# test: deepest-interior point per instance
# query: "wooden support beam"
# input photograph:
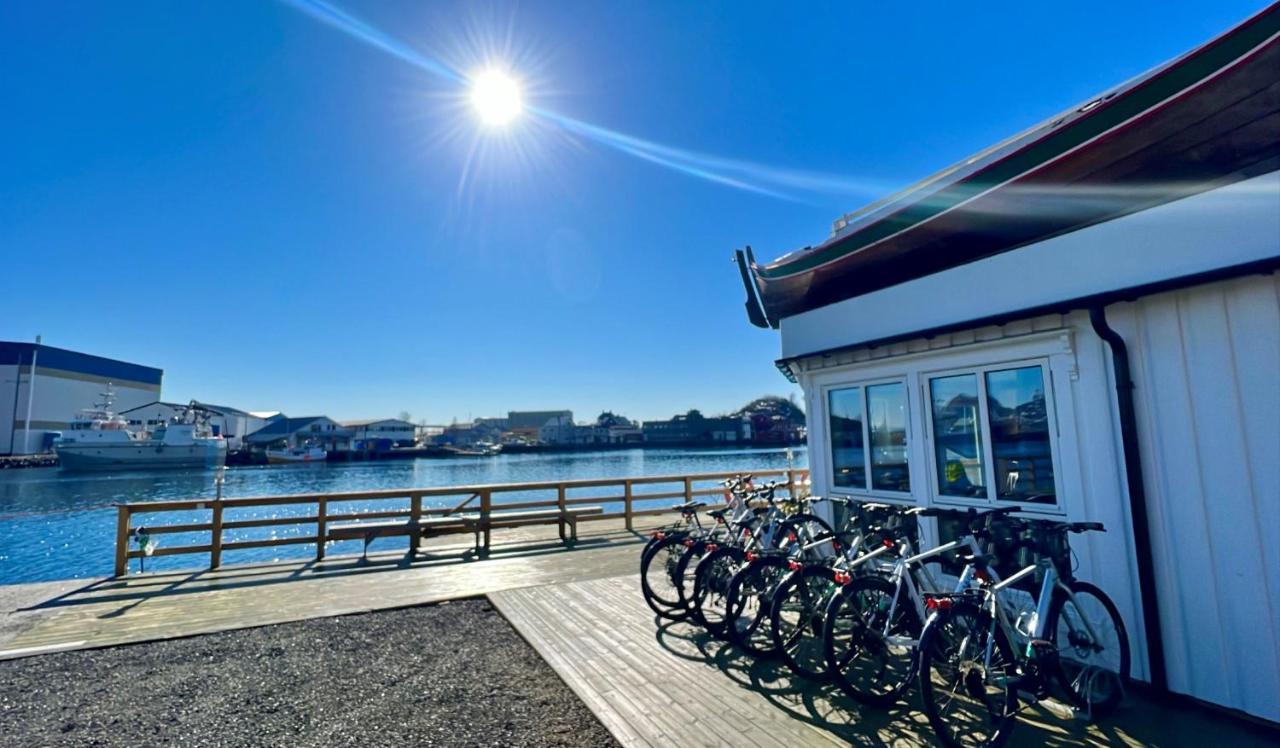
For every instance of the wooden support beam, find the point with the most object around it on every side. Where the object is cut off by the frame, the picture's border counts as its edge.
(215, 542)
(321, 529)
(122, 540)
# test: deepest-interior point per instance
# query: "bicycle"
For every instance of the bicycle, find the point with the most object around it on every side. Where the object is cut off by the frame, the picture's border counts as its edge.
(973, 653)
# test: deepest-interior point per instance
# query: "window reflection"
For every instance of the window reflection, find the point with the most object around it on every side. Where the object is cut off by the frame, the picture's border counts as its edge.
(848, 459)
(1020, 435)
(887, 420)
(957, 435)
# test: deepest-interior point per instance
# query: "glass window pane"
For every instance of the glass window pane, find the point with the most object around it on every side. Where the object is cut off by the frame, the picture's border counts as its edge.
(848, 461)
(887, 421)
(957, 436)
(1020, 435)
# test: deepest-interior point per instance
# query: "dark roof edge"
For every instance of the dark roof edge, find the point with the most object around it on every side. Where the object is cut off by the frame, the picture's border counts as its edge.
(1128, 293)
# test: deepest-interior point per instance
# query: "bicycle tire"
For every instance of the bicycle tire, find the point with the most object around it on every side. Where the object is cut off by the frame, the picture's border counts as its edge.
(944, 627)
(761, 575)
(871, 670)
(665, 602)
(1078, 683)
(804, 655)
(710, 582)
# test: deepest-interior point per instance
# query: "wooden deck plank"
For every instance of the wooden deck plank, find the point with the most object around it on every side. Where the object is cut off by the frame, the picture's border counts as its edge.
(599, 636)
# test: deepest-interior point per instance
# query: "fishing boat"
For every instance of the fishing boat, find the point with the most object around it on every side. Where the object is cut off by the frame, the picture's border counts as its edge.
(297, 455)
(479, 449)
(99, 439)
(1200, 121)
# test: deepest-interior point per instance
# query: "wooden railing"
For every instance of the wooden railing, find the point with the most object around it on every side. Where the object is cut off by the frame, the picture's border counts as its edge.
(478, 500)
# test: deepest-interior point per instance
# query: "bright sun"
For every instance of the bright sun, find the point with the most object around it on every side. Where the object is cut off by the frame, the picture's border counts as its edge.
(496, 98)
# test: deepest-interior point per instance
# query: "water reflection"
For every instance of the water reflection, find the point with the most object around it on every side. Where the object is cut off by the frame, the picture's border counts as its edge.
(58, 525)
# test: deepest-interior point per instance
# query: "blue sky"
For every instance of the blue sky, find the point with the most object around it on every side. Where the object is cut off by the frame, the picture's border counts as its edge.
(282, 216)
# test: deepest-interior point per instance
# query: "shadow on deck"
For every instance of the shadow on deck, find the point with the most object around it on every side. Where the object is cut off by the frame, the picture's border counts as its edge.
(160, 605)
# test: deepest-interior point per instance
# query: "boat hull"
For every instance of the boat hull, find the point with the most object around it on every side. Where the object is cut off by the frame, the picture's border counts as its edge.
(289, 458)
(141, 457)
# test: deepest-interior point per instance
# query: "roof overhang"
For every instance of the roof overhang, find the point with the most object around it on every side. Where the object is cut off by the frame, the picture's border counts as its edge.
(1202, 121)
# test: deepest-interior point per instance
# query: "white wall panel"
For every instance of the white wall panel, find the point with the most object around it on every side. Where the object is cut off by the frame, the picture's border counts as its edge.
(1206, 362)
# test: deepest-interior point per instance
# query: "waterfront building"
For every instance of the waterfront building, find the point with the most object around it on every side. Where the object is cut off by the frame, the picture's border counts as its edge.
(608, 428)
(42, 387)
(695, 428)
(292, 433)
(1082, 322)
(468, 434)
(230, 423)
(392, 431)
(527, 425)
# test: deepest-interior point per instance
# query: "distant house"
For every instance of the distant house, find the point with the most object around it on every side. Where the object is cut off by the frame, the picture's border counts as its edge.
(607, 429)
(321, 431)
(391, 431)
(467, 434)
(695, 428)
(528, 424)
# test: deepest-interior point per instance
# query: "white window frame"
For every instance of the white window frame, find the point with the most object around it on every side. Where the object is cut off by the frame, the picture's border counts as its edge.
(989, 464)
(905, 497)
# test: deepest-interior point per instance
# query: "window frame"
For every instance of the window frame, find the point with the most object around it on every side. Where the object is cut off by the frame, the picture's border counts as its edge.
(904, 497)
(936, 496)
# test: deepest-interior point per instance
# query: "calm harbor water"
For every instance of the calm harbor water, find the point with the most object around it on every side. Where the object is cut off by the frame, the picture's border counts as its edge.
(56, 525)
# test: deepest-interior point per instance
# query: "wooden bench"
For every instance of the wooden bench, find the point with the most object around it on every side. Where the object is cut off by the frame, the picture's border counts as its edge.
(563, 517)
(424, 528)
(457, 523)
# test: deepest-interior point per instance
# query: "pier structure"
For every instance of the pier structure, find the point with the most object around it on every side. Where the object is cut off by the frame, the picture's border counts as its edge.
(578, 605)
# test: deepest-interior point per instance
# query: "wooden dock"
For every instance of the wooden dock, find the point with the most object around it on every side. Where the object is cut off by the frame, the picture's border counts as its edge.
(651, 683)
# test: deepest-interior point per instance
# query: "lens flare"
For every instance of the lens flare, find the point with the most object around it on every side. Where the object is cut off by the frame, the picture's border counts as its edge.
(499, 102)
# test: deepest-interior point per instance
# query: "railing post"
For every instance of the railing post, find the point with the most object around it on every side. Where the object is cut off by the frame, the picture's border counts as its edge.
(321, 528)
(215, 543)
(626, 501)
(486, 501)
(415, 515)
(688, 489)
(122, 540)
(561, 506)
(791, 483)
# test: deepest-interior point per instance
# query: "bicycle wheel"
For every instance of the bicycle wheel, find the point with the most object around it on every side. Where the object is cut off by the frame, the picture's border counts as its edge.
(686, 568)
(750, 593)
(658, 580)
(802, 528)
(1092, 665)
(711, 588)
(967, 677)
(877, 659)
(798, 619)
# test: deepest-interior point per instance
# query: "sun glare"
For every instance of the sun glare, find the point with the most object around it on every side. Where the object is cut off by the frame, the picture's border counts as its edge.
(496, 98)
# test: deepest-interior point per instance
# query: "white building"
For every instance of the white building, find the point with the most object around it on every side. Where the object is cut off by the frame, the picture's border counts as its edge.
(64, 382)
(230, 423)
(318, 431)
(400, 433)
(1084, 322)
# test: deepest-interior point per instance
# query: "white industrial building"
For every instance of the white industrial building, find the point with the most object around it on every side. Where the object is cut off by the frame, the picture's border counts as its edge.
(42, 387)
(230, 423)
(376, 430)
(1083, 321)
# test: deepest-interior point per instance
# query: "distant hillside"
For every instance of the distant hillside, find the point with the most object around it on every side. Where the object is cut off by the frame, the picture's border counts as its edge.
(771, 407)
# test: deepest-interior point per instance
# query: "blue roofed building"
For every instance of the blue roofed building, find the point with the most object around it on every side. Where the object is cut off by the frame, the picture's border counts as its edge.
(42, 387)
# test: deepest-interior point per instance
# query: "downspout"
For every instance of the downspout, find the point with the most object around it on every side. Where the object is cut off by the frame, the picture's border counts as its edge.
(1137, 494)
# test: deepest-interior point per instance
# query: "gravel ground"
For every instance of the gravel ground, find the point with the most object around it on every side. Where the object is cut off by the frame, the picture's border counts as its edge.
(453, 674)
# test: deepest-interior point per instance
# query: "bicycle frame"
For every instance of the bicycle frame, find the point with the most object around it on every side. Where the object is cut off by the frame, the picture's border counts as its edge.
(999, 616)
(903, 577)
